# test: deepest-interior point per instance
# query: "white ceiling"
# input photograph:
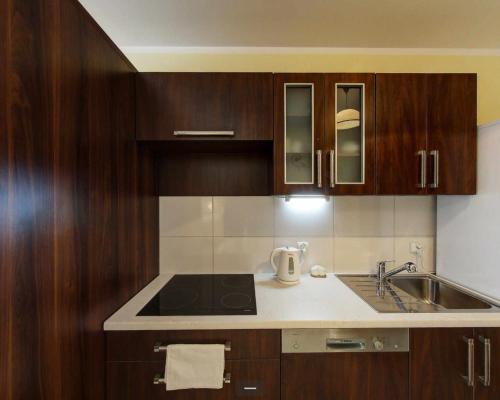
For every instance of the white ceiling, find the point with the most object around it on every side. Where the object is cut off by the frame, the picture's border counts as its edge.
(451, 24)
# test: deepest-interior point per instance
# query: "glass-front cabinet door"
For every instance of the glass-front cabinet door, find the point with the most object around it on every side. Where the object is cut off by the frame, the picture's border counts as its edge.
(299, 134)
(350, 133)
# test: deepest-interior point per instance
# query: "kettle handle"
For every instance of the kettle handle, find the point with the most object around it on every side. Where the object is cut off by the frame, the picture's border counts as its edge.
(273, 254)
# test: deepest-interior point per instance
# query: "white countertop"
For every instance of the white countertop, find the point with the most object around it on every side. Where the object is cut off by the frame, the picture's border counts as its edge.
(314, 303)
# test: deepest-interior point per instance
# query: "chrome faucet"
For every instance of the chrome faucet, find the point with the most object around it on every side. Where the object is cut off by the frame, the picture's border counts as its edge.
(382, 275)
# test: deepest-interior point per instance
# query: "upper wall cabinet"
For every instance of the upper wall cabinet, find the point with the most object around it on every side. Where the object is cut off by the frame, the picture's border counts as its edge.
(299, 133)
(187, 106)
(324, 133)
(350, 133)
(426, 134)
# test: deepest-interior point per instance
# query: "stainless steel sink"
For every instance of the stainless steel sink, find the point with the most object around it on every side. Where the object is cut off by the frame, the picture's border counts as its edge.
(433, 291)
(416, 293)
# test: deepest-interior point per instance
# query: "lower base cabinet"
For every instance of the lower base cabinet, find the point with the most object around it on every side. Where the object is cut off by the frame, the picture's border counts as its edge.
(455, 363)
(487, 363)
(343, 376)
(442, 364)
(255, 379)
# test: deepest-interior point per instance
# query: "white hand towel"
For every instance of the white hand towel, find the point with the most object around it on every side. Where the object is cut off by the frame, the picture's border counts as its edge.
(194, 366)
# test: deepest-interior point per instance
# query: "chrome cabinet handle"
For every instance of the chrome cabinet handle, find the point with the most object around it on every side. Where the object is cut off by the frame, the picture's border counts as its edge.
(158, 379)
(435, 154)
(423, 169)
(332, 168)
(318, 164)
(345, 344)
(486, 378)
(203, 133)
(469, 378)
(159, 347)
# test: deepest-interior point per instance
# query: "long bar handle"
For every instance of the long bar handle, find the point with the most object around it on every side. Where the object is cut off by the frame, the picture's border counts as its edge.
(319, 169)
(158, 379)
(435, 155)
(486, 378)
(469, 378)
(332, 168)
(203, 133)
(423, 169)
(159, 347)
(345, 344)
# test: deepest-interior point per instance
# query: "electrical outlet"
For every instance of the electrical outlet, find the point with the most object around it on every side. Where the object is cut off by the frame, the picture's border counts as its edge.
(416, 248)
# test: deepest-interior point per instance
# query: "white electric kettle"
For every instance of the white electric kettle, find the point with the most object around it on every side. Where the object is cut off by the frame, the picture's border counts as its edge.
(290, 261)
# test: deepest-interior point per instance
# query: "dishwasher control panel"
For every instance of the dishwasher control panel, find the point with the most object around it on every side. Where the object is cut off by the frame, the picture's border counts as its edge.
(344, 340)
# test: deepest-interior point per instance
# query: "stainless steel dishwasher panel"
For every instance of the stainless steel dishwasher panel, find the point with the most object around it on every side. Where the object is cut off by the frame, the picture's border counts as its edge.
(344, 340)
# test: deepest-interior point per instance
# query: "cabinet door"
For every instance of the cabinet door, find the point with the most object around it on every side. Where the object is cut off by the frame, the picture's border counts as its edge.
(255, 379)
(438, 364)
(299, 134)
(350, 133)
(374, 376)
(191, 106)
(452, 141)
(401, 125)
(487, 363)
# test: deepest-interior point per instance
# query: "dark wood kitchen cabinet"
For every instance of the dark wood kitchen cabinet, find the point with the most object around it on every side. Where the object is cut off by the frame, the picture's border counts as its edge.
(455, 363)
(324, 134)
(194, 106)
(438, 363)
(299, 133)
(426, 134)
(349, 134)
(374, 376)
(253, 362)
(487, 363)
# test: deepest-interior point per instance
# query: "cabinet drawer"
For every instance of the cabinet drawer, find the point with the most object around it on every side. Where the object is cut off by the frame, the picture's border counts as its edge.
(245, 344)
(255, 379)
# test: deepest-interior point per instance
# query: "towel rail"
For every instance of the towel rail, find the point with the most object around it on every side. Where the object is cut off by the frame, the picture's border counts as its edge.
(158, 379)
(159, 347)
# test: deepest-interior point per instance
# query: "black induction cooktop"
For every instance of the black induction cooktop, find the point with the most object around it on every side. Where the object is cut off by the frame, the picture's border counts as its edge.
(218, 294)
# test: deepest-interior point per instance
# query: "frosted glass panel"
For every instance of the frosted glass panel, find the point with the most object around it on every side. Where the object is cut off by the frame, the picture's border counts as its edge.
(299, 134)
(349, 133)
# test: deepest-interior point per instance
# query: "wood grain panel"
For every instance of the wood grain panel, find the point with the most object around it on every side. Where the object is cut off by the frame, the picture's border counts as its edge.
(242, 102)
(453, 132)
(78, 199)
(215, 174)
(356, 376)
(491, 392)
(138, 345)
(401, 125)
(438, 359)
(133, 381)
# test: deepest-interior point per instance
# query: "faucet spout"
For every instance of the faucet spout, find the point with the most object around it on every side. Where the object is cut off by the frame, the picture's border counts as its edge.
(382, 275)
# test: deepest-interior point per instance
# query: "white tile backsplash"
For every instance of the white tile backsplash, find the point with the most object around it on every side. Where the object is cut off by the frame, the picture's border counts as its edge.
(415, 216)
(425, 263)
(360, 255)
(243, 216)
(366, 216)
(185, 216)
(186, 255)
(345, 234)
(302, 216)
(242, 254)
(320, 250)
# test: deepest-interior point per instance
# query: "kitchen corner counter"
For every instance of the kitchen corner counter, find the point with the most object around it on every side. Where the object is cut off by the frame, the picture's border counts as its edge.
(314, 303)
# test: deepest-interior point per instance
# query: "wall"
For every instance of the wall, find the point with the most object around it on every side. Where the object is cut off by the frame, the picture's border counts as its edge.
(468, 227)
(77, 202)
(346, 234)
(320, 60)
